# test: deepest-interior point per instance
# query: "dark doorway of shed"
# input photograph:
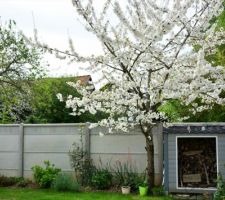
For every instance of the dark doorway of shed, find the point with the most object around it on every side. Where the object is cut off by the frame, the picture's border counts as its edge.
(197, 162)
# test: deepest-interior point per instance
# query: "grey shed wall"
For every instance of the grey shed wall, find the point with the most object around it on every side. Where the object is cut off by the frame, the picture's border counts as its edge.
(170, 134)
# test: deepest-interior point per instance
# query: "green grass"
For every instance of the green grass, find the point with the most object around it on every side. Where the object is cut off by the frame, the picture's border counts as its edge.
(38, 194)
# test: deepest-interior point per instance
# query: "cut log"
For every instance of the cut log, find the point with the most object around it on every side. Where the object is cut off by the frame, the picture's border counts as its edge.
(206, 173)
(192, 178)
(192, 153)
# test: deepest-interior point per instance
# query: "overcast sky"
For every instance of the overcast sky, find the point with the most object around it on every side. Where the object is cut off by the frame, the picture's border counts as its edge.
(54, 20)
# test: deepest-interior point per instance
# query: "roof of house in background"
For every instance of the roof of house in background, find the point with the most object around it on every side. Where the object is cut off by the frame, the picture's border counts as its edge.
(85, 79)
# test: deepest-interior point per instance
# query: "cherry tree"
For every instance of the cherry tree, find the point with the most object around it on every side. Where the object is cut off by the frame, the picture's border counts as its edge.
(149, 58)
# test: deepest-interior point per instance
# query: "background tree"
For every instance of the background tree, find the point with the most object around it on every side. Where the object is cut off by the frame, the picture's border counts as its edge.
(14, 105)
(149, 59)
(174, 108)
(218, 57)
(46, 108)
(19, 65)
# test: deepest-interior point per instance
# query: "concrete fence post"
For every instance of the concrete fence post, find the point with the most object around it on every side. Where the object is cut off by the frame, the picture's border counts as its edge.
(87, 140)
(21, 150)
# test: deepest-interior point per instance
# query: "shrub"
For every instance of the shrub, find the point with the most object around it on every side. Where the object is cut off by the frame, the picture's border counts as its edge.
(44, 177)
(8, 181)
(102, 179)
(11, 181)
(220, 192)
(126, 174)
(64, 182)
(83, 167)
(23, 182)
(88, 169)
(158, 191)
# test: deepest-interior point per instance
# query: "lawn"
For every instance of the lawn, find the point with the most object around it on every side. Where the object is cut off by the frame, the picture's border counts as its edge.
(36, 194)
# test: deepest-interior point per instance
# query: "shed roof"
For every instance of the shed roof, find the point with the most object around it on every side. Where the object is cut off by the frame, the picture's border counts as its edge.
(196, 128)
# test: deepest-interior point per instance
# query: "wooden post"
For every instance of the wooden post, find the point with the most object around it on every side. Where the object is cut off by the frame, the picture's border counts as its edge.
(21, 150)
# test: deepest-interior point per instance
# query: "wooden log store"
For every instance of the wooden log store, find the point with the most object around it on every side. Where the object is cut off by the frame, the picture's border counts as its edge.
(194, 154)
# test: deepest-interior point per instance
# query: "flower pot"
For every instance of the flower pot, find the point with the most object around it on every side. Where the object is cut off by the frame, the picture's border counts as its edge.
(143, 190)
(125, 189)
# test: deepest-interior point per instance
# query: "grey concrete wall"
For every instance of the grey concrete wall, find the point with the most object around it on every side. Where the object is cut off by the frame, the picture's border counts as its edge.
(49, 142)
(23, 146)
(127, 147)
(9, 150)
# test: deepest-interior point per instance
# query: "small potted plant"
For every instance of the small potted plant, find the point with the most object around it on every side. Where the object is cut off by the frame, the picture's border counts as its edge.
(125, 188)
(143, 188)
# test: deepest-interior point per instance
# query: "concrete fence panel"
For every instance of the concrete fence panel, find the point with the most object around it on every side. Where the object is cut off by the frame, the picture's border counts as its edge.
(23, 146)
(126, 147)
(49, 142)
(9, 150)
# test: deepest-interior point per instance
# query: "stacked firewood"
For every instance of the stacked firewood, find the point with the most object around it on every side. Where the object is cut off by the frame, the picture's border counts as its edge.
(197, 162)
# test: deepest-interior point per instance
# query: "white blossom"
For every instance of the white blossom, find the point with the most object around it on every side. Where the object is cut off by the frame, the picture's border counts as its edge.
(149, 59)
(101, 134)
(60, 97)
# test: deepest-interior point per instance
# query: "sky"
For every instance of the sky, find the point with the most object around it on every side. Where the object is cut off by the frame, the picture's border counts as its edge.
(55, 20)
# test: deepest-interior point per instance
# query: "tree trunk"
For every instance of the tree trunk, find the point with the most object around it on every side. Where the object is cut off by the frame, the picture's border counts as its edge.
(150, 162)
